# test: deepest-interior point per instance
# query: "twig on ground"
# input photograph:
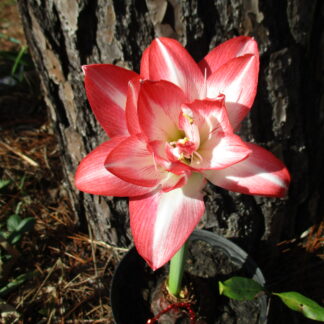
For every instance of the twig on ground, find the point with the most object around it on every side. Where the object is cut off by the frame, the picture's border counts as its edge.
(44, 281)
(99, 243)
(21, 155)
(95, 263)
(75, 257)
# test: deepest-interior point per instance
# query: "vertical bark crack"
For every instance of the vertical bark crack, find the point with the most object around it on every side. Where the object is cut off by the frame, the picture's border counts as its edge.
(87, 29)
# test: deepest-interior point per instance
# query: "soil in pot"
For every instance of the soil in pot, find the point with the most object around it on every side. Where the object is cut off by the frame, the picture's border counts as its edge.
(205, 266)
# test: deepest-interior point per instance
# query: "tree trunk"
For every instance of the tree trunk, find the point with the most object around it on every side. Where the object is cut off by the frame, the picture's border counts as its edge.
(287, 117)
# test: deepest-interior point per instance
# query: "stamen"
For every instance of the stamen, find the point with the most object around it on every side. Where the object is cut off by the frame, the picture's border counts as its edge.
(183, 140)
(187, 113)
(190, 119)
(184, 149)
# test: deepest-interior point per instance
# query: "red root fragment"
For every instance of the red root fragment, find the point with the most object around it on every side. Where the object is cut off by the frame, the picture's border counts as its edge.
(175, 306)
(168, 308)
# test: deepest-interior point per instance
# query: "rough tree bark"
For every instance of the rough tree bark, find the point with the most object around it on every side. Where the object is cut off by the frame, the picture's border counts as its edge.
(287, 117)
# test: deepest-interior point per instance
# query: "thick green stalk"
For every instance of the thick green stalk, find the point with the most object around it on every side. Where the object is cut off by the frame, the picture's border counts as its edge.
(176, 271)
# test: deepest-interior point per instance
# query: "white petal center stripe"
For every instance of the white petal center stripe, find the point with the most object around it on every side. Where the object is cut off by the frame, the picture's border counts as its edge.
(169, 204)
(204, 90)
(166, 125)
(232, 88)
(111, 91)
(172, 67)
(236, 95)
(262, 174)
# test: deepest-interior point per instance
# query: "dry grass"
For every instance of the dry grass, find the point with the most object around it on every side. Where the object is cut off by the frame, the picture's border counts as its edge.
(71, 272)
(8, 25)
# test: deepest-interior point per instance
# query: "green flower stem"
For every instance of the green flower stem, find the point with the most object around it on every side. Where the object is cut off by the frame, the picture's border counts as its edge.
(176, 271)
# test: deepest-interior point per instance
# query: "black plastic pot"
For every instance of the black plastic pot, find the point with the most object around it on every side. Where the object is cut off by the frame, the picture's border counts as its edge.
(133, 280)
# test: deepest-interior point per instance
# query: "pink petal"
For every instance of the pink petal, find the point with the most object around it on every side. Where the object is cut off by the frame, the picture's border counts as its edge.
(237, 80)
(189, 126)
(210, 116)
(260, 174)
(162, 222)
(219, 147)
(132, 161)
(145, 64)
(221, 151)
(131, 107)
(92, 176)
(173, 181)
(169, 60)
(161, 157)
(106, 88)
(235, 47)
(159, 106)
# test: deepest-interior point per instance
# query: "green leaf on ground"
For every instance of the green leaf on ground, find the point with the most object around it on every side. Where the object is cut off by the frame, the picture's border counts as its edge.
(26, 225)
(14, 237)
(13, 222)
(17, 226)
(302, 304)
(240, 288)
(15, 283)
(4, 183)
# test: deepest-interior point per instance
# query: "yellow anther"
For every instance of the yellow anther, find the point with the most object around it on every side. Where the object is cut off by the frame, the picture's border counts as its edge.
(189, 118)
(183, 140)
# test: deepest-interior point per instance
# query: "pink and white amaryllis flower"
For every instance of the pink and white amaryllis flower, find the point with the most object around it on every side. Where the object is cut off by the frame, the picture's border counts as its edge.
(171, 129)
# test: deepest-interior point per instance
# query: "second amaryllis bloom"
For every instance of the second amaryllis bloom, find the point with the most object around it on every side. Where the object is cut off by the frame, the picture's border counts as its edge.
(171, 129)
